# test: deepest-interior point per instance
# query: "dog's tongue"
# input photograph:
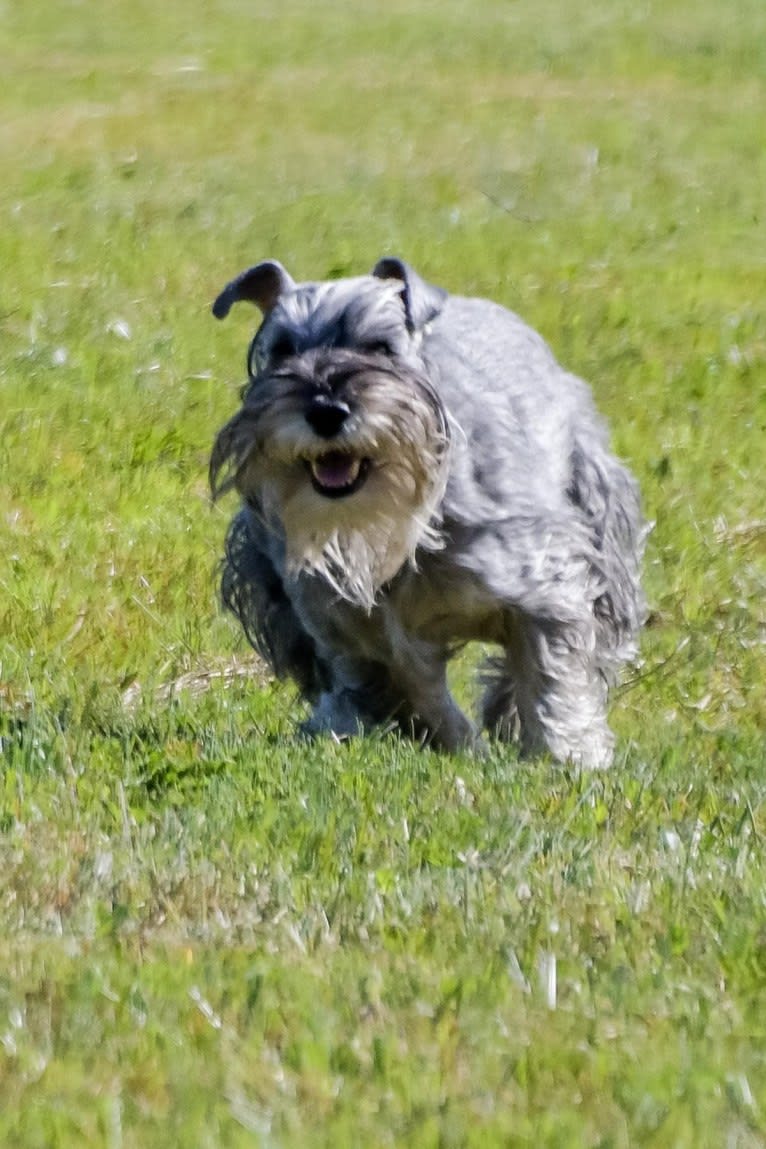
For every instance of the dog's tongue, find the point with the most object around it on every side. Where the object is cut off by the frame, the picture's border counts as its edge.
(335, 469)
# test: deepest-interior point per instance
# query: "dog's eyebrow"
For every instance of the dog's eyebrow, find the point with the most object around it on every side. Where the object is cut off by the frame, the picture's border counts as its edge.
(357, 327)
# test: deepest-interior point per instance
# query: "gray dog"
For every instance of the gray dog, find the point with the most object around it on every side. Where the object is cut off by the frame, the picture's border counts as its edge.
(418, 472)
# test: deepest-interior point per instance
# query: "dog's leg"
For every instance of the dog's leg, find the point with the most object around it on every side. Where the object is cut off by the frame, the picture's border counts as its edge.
(359, 698)
(434, 716)
(418, 670)
(337, 713)
(415, 699)
(552, 691)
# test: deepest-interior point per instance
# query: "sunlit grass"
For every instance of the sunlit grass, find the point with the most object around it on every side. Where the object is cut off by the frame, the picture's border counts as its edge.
(212, 934)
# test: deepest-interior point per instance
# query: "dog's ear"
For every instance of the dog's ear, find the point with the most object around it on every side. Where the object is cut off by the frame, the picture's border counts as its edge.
(422, 301)
(261, 285)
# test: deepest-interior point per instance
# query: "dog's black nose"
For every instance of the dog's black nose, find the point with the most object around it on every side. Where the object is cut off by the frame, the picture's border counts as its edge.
(326, 415)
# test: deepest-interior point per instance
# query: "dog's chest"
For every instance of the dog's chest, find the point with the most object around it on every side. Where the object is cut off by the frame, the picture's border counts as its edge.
(445, 605)
(433, 606)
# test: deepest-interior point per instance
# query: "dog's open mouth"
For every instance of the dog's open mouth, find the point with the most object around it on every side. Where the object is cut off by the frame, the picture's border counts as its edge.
(336, 474)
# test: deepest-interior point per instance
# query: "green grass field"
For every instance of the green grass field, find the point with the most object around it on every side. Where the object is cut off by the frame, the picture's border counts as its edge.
(212, 935)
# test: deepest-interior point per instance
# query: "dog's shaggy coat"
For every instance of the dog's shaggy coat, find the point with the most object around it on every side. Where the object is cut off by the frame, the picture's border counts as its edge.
(417, 472)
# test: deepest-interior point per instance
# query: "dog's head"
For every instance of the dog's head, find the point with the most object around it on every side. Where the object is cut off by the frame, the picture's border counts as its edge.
(341, 440)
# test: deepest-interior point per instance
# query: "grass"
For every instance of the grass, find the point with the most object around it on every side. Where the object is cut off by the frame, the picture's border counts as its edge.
(210, 934)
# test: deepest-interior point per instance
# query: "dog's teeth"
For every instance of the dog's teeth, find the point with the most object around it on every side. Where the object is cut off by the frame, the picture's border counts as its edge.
(335, 470)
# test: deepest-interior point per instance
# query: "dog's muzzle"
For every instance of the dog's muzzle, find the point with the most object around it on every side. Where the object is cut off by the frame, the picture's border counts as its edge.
(335, 474)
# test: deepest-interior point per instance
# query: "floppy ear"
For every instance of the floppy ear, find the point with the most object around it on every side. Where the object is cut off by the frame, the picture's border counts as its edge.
(422, 301)
(261, 285)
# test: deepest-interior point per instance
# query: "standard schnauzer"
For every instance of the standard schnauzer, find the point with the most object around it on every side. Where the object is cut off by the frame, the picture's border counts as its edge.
(418, 472)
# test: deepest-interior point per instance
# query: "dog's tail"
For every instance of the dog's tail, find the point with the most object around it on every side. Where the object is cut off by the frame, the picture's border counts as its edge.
(252, 589)
(607, 496)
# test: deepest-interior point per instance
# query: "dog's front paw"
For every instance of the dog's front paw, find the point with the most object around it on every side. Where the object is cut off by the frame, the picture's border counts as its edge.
(456, 734)
(334, 715)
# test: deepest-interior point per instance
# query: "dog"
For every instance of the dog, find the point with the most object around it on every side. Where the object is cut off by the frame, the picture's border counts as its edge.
(418, 472)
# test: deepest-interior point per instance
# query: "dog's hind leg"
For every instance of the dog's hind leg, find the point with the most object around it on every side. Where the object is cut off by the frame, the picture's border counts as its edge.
(499, 708)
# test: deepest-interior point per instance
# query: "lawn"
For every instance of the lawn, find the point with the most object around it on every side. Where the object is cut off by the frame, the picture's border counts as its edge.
(211, 934)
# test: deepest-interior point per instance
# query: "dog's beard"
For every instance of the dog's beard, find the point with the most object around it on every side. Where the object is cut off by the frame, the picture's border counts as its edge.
(359, 544)
(393, 454)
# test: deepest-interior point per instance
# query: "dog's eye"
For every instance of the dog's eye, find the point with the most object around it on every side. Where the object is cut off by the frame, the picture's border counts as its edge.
(283, 346)
(378, 347)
